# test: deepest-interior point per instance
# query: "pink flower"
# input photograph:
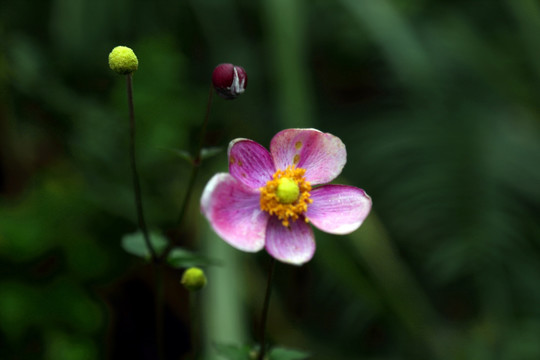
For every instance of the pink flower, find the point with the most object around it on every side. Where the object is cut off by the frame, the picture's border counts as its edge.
(267, 199)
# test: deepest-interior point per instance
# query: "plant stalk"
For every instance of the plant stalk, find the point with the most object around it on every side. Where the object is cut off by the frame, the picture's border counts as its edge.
(134, 173)
(195, 322)
(156, 266)
(159, 308)
(197, 159)
(194, 170)
(266, 305)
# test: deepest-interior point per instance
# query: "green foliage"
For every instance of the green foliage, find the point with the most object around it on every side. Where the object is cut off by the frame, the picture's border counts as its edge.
(182, 258)
(234, 352)
(135, 244)
(245, 352)
(435, 101)
(279, 353)
(206, 153)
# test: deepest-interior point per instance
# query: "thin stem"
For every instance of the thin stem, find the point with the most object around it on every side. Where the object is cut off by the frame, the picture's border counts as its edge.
(197, 160)
(187, 197)
(266, 305)
(157, 268)
(194, 170)
(159, 307)
(134, 173)
(194, 323)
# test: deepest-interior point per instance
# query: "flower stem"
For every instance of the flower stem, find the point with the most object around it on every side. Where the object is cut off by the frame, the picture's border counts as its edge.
(266, 305)
(134, 173)
(197, 159)
(157, 268)
(194, 170)
(194, 323)
(142, 224)
(159, 308)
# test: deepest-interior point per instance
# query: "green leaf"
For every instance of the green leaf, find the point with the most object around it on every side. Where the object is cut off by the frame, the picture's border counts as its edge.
(233, 352)
(182, 258)
(135, 244)
(182, 154)
(207, 153)
(280, 353)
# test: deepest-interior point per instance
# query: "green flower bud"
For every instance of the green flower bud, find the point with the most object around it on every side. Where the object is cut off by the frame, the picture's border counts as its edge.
(123, 60)
(193, 279)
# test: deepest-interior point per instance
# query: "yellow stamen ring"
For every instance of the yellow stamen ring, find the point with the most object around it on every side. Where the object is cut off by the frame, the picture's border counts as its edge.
(286, 195)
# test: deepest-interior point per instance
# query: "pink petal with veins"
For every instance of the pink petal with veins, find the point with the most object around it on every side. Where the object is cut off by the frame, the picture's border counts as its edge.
(250, 163)
(338, 209)
(234, 212)
(323, 155)
(294, 244)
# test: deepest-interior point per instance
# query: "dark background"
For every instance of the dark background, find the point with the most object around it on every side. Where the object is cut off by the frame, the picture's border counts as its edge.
(436, 101)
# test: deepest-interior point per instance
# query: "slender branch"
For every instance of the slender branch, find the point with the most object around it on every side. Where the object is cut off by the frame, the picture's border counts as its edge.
(194, 170)
(195, 322)
(159, 308)
(197, 160)
(205, 125)
(142, 224)
(266, 305)
(187, 197)
(134, 173)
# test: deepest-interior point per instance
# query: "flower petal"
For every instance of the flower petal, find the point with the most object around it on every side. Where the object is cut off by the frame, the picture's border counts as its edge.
(323, 155)
(294, 244)
(250, 163)
(338, 209)
(234, 212)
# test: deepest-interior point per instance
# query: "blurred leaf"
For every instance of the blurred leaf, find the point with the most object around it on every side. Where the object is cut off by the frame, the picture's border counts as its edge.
(286, 30)
(279, 353)
(135, 244)
(394, 35)
(15, 301)
(233, 352)
(183, 154)
(182, 258)
(242, 352)
(65, 346)
(207, 153)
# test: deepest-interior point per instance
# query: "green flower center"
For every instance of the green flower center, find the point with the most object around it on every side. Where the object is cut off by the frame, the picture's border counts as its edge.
(287, 190)
(286, 196)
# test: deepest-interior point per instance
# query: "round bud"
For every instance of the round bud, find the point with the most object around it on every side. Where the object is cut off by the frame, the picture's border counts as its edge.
(229, 80)
(123, 60)
(193, 279)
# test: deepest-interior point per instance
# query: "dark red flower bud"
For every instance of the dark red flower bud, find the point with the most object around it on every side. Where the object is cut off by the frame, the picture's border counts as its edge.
(229, 80)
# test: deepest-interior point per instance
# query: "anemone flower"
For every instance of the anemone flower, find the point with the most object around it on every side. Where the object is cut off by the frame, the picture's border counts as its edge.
(269, 198)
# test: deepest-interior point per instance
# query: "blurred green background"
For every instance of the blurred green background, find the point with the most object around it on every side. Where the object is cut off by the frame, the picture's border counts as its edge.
(436, 101)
